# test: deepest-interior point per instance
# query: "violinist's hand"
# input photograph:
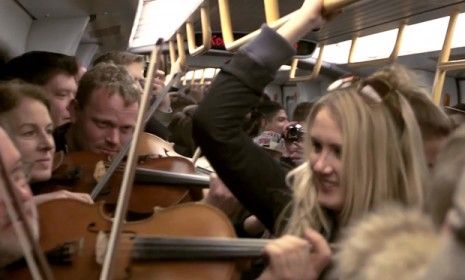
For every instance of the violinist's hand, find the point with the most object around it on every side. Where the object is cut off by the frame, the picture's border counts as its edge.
(291, 257)
(220, 197)
(83, 197)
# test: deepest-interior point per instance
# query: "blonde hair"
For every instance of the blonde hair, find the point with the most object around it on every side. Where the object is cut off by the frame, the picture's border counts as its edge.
(382, 159)
(432, 120)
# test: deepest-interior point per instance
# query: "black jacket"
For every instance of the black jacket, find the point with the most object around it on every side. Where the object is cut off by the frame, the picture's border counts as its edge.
(250, 173)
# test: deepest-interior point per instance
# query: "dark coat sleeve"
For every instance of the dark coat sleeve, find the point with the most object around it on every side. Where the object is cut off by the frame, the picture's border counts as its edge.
(250, 173)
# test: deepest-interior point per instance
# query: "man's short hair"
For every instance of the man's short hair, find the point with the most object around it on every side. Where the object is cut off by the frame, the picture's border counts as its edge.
(119, 58)
(269, 109)
(301, 111)
(114, 78)
(38, 67)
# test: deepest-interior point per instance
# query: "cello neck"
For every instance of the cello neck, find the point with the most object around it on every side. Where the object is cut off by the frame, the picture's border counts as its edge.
(160, 248)
(147, 175)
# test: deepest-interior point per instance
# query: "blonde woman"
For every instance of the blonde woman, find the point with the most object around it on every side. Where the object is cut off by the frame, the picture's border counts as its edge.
(363, 148)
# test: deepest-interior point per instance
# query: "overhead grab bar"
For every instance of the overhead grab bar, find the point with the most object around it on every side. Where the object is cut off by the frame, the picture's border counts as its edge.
(177, 53)
(177, 56)
(376, 62)
(226, 25)
(444, 64)
(271, 10)
(206, 32)
(330, 6)
(192, 82)
(202, 78)
(272, 15)
(315, 72)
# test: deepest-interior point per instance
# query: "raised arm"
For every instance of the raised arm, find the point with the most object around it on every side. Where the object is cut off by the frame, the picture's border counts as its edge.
(248, 171)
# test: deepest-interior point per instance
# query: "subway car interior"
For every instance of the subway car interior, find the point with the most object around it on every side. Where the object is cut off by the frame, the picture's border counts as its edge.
(90, 27)
(318, 175)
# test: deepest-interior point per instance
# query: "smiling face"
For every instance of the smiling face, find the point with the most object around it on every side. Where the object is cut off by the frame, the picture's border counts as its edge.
(10, 248)
(30, 127)
(326, 160)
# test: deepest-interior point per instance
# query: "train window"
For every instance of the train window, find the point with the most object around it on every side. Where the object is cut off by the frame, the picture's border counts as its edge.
(375, 46)
(199, 77)
(335, 53)
(418, 37)
(459, 38)
(171, 14)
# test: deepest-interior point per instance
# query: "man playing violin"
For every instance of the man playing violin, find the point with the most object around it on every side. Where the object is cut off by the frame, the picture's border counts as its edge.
(103, 114)
(135, 65)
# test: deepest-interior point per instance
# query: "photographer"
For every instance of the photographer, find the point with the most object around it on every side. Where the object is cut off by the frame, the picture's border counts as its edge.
(293, 136)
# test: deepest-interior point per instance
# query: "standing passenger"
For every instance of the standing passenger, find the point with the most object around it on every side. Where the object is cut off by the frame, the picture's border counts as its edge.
(266, 116)
(104, 113)
(24, 114)
(135, 64)
(55, 72)
(363, 149)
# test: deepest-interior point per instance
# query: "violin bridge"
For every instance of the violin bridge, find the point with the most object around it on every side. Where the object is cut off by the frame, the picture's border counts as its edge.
(101, 244)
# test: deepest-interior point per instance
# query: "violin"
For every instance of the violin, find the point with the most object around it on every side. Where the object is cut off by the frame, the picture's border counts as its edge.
(161, 182)
(186, 241)
(150, 144)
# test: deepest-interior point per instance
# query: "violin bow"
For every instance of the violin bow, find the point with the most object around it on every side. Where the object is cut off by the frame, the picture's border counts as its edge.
(124, 151)
(197, 155)
(35, 258)
(129, 171)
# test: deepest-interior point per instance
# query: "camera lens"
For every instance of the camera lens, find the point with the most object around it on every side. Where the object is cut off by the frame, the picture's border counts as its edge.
(294, 133)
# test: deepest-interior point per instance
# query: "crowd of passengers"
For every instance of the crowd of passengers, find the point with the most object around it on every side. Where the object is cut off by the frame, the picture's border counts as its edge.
(367, 182)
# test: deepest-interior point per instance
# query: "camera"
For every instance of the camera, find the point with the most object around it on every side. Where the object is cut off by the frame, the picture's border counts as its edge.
(294, 133)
